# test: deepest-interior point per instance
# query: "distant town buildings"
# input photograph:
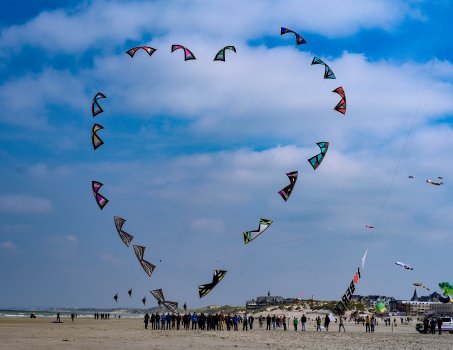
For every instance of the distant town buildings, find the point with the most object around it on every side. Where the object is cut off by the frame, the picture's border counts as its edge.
(269, 300)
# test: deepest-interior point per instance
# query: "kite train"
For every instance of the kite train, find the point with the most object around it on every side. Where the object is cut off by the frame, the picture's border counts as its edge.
(220, 56)
(95, 140)
(406, 267)
(149, 50)
(328, 73)
(341, 106)
(204, 289)
(170, 305)
(95, 107)
(100, 199)
(299, 39)
(286, 192)
(188, 55)
(147, 266)
(251, 235)
(125, 237)
(316, 160)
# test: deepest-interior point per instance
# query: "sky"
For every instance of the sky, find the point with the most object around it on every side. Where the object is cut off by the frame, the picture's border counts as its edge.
(195, 151)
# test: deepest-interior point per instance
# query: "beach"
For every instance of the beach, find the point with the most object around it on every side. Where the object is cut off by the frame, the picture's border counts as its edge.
(87, 333)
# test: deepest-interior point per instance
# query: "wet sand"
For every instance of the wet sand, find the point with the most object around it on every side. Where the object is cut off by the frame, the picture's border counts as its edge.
(20, 333)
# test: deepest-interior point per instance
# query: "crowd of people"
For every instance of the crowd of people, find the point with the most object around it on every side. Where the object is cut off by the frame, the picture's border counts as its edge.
(229, 322)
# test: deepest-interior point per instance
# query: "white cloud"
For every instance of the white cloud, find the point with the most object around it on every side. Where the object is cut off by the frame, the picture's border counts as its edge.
(8, 245)
(107, 23)
(24, 204)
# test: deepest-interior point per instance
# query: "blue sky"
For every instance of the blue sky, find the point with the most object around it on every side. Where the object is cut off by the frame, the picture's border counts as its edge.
(195, 152)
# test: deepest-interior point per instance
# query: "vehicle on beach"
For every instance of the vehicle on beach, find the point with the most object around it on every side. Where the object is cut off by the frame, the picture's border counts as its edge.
(447, 324)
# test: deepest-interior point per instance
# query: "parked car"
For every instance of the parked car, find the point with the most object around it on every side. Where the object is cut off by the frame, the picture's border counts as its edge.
(447, 324)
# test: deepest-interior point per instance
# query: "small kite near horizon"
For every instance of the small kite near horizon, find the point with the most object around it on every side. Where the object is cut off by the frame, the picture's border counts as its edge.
(205, 289)
(435, 183)
(100, 199)
(299, 39)
(188, 55)
(341, 106)
(328, 73)
(418, 284)
(95, 107)
(286, 192)
(251, 235)
(316, 160)
(130, 293)
(369, 226)
(220, 56)
(159, 295)
(149, 50)
(116, 297)
(406, 267)
(144, 301)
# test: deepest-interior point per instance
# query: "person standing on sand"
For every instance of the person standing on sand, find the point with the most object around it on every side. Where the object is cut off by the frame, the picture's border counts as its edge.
(303, 320)
(284, 322)
(251, 319)
(295, 322)
(318, 324)
(439, 325)
(58, 318)
(245, 323)
(268, 322)
(340, 325)
(72, 317)
(146, 320)
(326, 323)
(367, 324)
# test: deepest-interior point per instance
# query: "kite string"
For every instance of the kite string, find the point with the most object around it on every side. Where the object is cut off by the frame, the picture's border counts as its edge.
(411, 128)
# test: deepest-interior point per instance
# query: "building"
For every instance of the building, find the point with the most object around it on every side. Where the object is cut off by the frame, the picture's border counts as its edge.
(265, 301)
(441, 309)
(417, 308)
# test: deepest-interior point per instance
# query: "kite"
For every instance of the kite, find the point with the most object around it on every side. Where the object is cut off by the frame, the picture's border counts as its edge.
(410, 176)
(221, 54)
(95, 107)
(328, 73)
(170, 305)
(316, 160)
(435, 183)
(147, 266)
(130, 293)
(95, 140)
(144, 301)
(251, 235)
(125, 237)
(204, 289)
(341, 106)
(188, 55)
(346, 298)
(299, 39)
(286, 192)
(149, 50)
(407, 267)
(116, 297)
(381, 307)
(418, 284)
(444, 300)
(447, 288)
(100, 199)
(364, 259)
(369, 226)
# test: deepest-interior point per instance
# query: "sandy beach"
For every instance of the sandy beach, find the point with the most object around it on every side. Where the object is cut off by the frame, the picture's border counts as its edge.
(24, 333)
